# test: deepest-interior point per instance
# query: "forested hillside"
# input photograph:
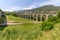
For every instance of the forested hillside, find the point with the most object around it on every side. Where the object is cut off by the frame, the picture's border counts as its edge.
(42, 8)
(37, 10)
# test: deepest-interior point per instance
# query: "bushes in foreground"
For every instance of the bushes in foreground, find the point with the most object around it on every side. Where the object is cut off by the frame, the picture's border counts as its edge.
(58, 21)
(47, 26)
(52, 19)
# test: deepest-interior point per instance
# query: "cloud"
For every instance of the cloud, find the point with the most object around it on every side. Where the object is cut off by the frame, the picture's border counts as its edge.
(47, 2)
(35, 5)
(18, 8)
(12, 9)
(50, 2)
(29, 7)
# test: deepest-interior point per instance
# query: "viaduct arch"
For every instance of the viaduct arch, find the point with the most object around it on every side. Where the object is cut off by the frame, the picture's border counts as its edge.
(37, 16)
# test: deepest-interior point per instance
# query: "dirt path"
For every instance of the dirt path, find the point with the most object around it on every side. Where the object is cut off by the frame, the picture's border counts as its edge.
(10, 23)
(13, 23)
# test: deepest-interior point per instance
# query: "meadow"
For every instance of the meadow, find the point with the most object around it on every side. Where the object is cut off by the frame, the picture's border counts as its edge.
(11, 18)
(28, 30)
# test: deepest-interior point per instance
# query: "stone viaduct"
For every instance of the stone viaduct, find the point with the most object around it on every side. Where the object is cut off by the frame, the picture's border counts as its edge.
(40, 15)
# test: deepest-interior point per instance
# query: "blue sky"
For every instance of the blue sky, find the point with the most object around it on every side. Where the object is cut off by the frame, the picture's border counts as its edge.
(14, 5)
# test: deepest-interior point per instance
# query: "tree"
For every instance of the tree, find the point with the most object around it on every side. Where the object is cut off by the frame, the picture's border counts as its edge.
(58, 15)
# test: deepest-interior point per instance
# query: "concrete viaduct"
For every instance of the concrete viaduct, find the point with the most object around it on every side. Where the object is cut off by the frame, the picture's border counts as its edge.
(35, 17)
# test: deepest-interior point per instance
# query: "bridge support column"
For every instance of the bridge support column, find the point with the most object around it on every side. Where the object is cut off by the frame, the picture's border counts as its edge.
(33, 17)
(46, 17)
(41, 17)
(26, 16)
(30, 16)
(36, 17)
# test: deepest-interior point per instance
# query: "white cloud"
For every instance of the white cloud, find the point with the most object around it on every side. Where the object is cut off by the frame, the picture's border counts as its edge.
(29, 7)
(50, 2)
(35, 5)
(38, 4)
(18, 8)
(11, 9)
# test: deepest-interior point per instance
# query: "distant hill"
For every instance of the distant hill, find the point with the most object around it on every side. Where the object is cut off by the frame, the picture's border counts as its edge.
(42, 8)
(39, 9)
(48, 8)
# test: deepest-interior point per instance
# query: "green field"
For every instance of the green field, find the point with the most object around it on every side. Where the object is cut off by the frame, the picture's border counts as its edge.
(28, 31)
(18, 19)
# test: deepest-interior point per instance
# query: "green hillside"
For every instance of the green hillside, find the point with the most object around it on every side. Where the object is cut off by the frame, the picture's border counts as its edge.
(48, 8)
(11, 18)
(39, 9)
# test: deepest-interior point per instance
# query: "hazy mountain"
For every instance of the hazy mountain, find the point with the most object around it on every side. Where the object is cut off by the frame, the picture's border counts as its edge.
(43, 8)
(39, 9)
(48, 8)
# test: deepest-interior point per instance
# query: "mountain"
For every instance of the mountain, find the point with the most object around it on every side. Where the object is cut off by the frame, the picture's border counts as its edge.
(39, 9)
(48, 8)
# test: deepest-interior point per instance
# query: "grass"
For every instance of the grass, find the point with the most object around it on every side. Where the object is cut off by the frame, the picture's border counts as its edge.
(29, 31)
(18, 19)
(21, 32)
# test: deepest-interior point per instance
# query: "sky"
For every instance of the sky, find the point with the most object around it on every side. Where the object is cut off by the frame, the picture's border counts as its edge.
(14, 5)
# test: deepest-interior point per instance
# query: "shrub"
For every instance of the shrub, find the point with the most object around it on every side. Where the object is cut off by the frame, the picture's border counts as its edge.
(58, 21)
(52, 19)
(1, 21)
(58, 15)
(47, 26)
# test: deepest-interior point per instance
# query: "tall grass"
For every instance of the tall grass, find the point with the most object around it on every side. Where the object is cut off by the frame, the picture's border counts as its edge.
(21, 32)
(29, 32)
(18, 19)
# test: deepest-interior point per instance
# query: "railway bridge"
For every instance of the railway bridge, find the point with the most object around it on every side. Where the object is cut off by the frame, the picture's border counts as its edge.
(39, 16)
